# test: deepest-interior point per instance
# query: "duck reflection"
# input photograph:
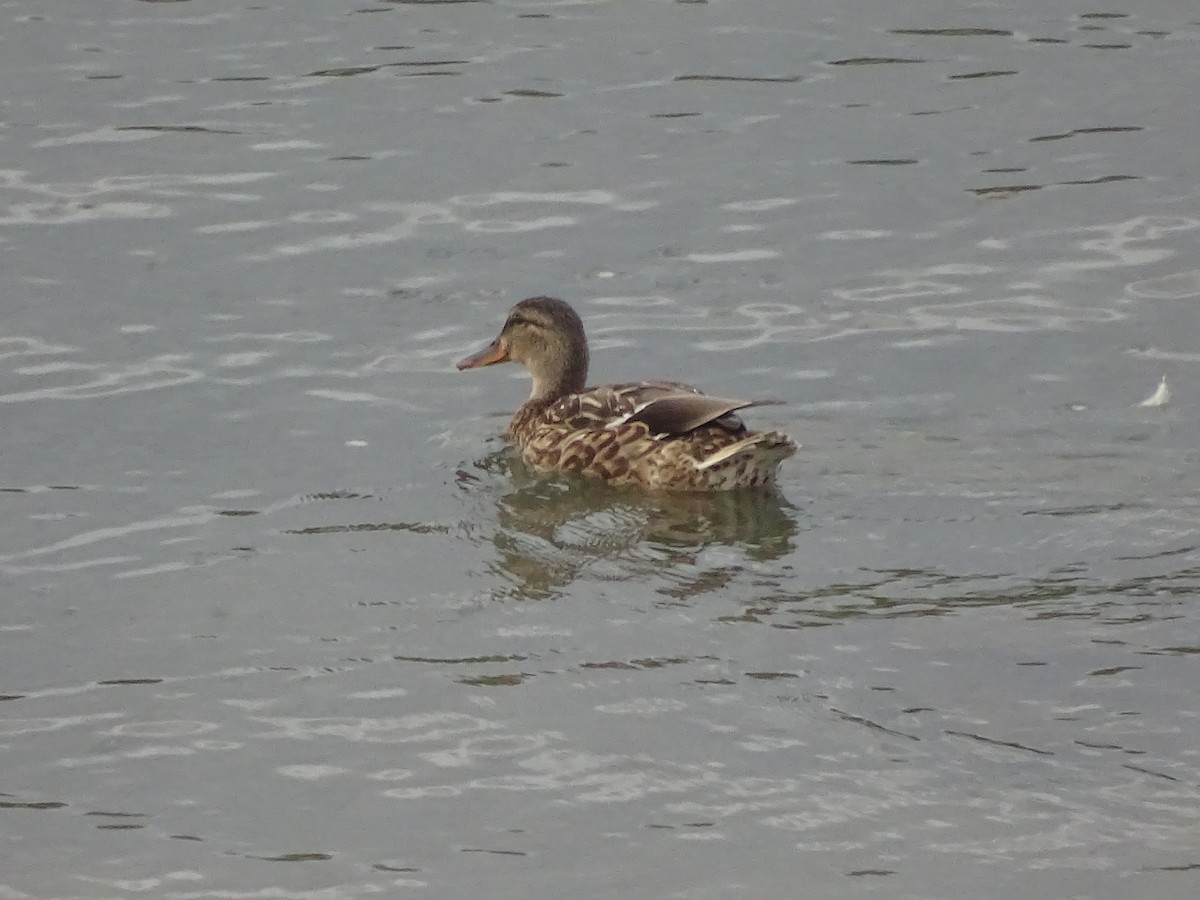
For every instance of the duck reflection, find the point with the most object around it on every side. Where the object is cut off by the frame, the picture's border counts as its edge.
(552, 530)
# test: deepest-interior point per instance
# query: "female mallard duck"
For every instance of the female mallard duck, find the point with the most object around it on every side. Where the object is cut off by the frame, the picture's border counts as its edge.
(657, 434)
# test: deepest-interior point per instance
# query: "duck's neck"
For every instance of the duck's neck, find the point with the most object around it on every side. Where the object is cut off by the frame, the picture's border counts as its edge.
(563, 370)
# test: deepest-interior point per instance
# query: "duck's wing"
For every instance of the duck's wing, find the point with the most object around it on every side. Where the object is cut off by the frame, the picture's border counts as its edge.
(665, 407)
(680, 413)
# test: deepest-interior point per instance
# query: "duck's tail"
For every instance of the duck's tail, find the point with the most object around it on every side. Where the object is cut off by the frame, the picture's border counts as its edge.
(749, 462)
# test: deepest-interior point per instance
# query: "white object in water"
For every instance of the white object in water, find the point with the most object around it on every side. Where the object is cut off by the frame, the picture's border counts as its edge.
(1160, 397)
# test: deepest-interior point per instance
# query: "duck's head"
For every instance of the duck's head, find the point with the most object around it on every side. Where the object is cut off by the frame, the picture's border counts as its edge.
(545, 336)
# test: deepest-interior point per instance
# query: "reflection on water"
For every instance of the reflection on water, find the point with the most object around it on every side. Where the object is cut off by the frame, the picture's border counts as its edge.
(552, 529)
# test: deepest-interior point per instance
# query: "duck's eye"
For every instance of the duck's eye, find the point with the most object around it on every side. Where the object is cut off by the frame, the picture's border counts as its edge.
(517, 320)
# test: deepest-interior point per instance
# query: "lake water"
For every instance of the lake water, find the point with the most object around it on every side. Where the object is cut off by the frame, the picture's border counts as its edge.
(280, 615)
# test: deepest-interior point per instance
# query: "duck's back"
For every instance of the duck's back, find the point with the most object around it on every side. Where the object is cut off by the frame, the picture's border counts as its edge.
(657, 434)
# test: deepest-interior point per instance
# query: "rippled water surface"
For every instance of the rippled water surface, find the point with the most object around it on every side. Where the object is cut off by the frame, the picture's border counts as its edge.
(282, 617)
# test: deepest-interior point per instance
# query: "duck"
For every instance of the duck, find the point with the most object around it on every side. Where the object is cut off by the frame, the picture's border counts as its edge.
(659, 435)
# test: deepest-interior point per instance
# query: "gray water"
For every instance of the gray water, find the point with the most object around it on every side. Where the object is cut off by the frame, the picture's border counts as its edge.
(282, 617)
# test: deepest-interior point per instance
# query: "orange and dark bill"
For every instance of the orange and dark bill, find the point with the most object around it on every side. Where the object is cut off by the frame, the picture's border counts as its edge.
(490, 355)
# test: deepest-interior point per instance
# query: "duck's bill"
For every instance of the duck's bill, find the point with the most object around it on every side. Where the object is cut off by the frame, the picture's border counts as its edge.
(490, 355)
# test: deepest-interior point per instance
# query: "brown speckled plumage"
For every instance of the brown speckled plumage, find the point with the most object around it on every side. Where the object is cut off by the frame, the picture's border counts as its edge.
(657, 434)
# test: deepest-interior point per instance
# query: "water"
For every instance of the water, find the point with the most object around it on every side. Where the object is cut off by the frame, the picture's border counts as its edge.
(282, 616)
